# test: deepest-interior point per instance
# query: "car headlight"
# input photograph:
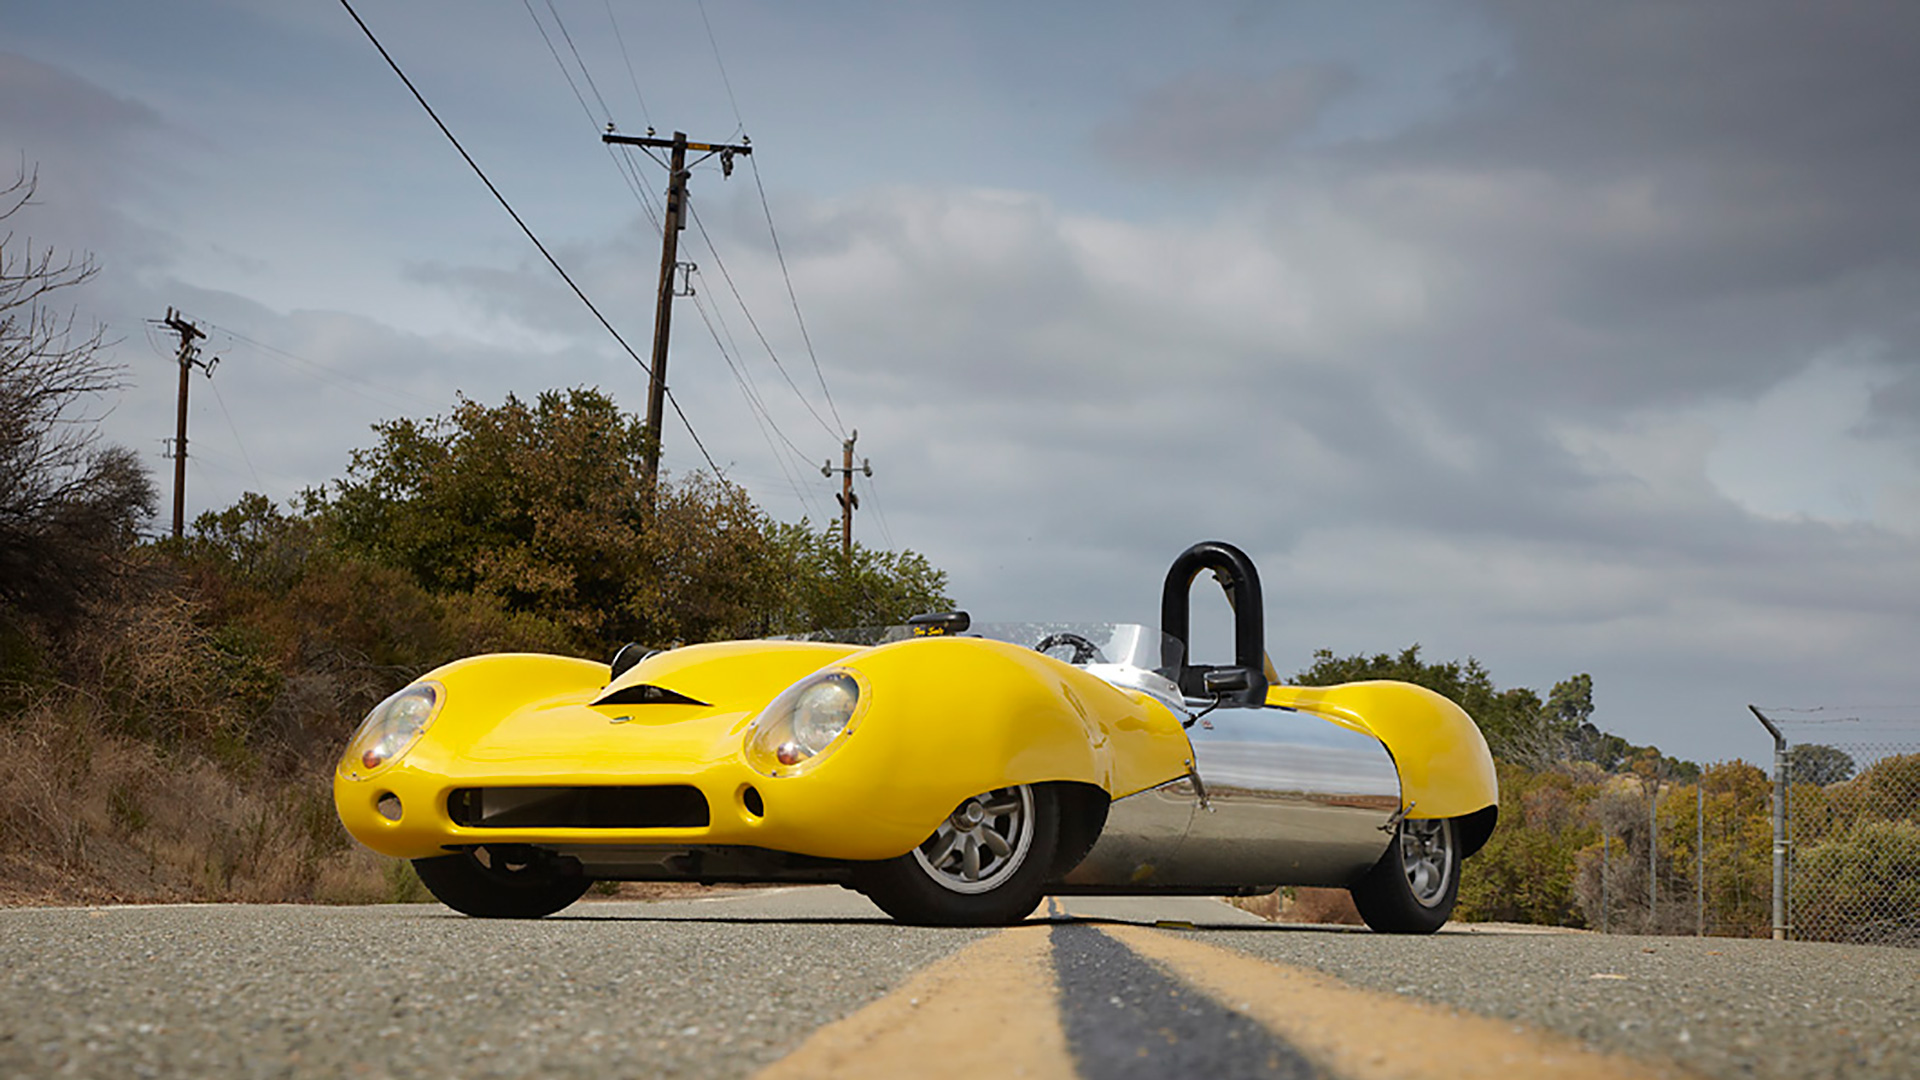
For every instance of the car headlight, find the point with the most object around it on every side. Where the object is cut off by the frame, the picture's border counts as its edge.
(392, 728)
(808, 719)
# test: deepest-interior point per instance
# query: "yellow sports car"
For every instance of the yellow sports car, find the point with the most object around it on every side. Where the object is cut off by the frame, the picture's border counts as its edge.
(953, 774)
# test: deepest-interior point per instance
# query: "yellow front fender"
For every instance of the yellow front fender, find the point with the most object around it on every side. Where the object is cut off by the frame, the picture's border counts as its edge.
(942, 720)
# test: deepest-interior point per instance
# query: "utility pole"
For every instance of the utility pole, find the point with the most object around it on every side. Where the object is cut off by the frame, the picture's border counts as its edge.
(669, 260)
(849, 502)
(189, 356)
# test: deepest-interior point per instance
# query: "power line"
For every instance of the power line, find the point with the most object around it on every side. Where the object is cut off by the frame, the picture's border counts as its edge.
(629, 171)
(657, 389)
(741, 375)
(675, 220)
(721, 64)
(628, 57)
(839, 426)
(384, 394)
(751, 321)
(606, 113)
(762, 416)
(745, 373)
(244, 456)
(781, 256)
(755, 408)
(564, 71)
(873, 496)
(508, 207)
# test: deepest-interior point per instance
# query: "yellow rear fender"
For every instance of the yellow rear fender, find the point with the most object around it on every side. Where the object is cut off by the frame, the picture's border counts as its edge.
(1445, 768)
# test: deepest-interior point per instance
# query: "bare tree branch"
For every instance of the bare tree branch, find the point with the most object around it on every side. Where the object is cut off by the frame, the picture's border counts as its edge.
(68, 508)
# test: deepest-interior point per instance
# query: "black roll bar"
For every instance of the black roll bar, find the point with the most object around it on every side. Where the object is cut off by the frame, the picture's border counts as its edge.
(1241, 582)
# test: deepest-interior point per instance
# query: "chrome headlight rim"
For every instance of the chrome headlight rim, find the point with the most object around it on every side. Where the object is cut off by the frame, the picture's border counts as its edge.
(392, 729)
(790, 735)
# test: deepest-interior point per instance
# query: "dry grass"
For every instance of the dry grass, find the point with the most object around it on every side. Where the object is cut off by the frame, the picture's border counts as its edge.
(1302, 905)
(91, 815)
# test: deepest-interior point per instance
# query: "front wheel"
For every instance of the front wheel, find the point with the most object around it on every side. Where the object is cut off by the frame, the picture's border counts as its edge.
(490, 883)
(1412, 889)
(985, 865)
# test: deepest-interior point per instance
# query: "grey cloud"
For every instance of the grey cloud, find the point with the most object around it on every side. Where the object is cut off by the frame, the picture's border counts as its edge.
(92, 152)
(1669, 198)
(39, 102)
(1895, 408)
(1209, 121)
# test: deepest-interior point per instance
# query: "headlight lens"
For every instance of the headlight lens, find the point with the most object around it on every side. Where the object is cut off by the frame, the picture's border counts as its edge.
(392, 728)
(804, 722)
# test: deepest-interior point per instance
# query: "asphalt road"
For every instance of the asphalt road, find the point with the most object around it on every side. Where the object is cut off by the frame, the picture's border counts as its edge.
(814, 982)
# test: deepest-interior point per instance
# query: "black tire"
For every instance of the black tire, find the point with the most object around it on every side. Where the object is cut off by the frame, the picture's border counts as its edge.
(494, 885)
(1412, 889)
(931, 885)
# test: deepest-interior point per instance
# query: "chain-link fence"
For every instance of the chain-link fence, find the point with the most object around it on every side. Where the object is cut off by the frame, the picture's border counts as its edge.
(1852, 790)
(1819, 842)
(1678, 855)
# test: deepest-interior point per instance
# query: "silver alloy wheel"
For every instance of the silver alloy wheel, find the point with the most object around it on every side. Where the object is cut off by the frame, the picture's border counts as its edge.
(982, 843)
(1428, 858)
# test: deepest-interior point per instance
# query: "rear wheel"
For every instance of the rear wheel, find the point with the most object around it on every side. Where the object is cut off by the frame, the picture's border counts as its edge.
(1412, 889)
(985, 865)
(499, 883)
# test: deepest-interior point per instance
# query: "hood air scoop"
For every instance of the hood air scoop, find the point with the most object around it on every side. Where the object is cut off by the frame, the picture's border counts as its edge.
(643, 694)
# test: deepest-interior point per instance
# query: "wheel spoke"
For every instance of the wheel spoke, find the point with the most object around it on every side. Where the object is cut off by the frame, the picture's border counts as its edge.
(1010, 804)
(970, 858)
(996, 843)
(1426, 857)
(1420, 877)
(944, 840)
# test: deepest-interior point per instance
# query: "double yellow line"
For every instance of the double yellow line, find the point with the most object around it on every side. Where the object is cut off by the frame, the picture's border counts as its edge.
(992, 1009)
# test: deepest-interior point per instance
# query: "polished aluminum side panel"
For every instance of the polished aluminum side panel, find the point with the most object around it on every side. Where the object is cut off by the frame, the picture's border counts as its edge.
(1137, 844)
(1284, 798)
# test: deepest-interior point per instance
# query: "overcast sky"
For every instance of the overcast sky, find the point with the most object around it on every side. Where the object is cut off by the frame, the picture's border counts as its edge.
(1574, 337)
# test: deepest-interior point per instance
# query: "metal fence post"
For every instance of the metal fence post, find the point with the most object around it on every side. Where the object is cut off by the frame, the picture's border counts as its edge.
(1653, 858)
(1606, 864)
(1700, 855)
(1779, 824)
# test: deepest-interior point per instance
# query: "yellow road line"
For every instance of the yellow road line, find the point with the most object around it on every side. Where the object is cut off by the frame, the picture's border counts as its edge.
(988, 1010)
(1364, 1034)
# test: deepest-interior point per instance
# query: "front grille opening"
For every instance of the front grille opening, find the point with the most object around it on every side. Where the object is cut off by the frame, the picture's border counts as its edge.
(666, 806)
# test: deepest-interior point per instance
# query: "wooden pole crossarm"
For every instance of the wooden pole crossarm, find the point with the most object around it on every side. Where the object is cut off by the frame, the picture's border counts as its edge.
(667, 144)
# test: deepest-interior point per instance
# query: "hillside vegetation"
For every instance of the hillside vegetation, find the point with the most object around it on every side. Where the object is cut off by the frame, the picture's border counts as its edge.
(170, 728)
(170, 709)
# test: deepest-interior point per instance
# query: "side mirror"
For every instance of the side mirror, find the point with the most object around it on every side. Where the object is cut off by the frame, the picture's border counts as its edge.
(940, 623)
(1227, 680)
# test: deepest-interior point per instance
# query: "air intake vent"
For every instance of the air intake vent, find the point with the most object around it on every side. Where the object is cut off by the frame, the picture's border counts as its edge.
(674, 806)
(642, 694)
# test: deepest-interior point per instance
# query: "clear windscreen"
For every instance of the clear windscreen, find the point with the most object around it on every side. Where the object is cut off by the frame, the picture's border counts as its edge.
(1081, 644)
